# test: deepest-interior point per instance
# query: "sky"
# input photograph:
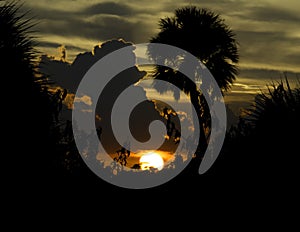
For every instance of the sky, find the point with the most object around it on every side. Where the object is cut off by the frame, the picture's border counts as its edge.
(268, 31)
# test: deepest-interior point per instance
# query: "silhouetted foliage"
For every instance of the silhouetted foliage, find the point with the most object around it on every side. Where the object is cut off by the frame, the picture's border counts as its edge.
(42, 145)
(32, 116)
(122, 155)
(265, 143)
(205, 35)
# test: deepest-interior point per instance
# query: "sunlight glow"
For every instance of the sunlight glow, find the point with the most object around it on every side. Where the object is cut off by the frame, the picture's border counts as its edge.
(151, 160)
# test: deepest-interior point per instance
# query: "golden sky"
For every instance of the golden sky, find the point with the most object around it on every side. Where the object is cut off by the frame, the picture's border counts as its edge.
(267, 30)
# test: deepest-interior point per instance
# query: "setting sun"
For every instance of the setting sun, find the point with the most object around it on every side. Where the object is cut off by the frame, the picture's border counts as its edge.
(151, 160)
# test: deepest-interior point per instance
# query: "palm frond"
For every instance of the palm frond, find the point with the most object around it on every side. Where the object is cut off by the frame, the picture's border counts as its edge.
(204, 34)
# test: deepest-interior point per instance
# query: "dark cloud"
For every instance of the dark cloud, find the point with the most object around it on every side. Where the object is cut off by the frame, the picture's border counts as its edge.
(69, 76)
(215, 2)
(111, 8)
(102, 28)
(94, 24)
(218, 6)
(293, 59)
(272, 14)
(56, 45)
(42, 14)
(261, 73)
(267, 33)
(260, 42)
(263, 77)
(268, 47)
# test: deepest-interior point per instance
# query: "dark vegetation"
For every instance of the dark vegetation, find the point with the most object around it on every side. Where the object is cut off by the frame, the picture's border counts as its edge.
(260, 149)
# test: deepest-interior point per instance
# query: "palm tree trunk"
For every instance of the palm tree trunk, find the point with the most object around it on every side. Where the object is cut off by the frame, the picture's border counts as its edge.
(193, 166)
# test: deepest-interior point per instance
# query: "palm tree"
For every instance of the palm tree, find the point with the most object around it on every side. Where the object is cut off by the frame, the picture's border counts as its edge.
(274, 115)
(205, 35)
(30, 106)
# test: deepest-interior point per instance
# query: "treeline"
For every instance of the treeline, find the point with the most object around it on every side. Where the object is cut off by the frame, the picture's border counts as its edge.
(261, 147)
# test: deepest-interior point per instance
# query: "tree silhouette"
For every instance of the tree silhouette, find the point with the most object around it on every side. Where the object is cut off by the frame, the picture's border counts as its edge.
(122, 155)
(275, 118)
(264, 146)
(32, 128)
(205, 35)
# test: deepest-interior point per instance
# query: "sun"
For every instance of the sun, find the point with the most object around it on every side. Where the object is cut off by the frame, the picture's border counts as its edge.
(151, 160)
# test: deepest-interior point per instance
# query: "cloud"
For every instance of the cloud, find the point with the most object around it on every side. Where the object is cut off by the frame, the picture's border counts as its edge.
(84, 99)
(110, 8)
(271, 50)
(272, 14)
(292, 58)
(260, 77)
(267, 30)
(69, 76)
(55, 45)
(95, 24)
